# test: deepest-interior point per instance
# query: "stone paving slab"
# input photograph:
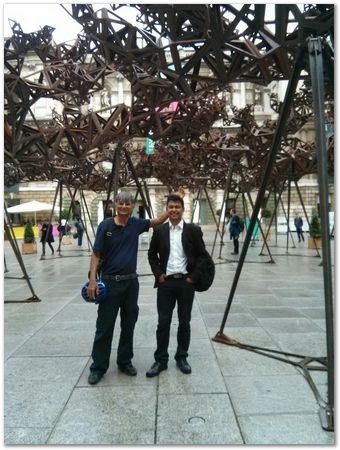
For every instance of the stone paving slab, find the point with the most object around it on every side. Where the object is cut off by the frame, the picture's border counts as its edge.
(288, 326)
(234, 361)
(59, 339)
(233, 396)
(26, 436)
(270, 394)
(37, 389)
(205, 377)
(311, 344)
(196, 419)
(284, 429)
(234, 320)
(107, 415)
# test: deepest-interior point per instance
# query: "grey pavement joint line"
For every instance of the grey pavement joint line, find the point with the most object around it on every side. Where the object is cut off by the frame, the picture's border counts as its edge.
(262, 288)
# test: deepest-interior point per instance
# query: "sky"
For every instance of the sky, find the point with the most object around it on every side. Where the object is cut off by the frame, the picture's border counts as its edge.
(33, 16)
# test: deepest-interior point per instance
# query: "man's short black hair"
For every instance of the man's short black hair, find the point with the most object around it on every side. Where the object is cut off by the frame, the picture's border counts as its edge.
(175, 198)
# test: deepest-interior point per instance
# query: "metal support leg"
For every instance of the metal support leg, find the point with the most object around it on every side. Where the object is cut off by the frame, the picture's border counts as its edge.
(316, 71)
(138, 184)
(285, 110)
(305, 213)
(196, 202)
(15, 247)
(274, 215)
(224, 203)
(212, 212)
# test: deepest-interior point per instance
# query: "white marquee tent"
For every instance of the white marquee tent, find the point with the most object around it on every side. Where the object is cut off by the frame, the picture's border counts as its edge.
(30, 207)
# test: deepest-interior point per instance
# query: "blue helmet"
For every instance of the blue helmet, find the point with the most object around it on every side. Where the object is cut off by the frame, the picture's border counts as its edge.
(100, 296)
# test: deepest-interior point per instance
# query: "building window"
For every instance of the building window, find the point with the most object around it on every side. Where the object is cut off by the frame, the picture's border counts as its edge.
(258, 99)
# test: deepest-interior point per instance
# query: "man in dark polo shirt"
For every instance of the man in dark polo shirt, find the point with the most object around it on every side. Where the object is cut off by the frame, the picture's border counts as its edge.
(119, 244)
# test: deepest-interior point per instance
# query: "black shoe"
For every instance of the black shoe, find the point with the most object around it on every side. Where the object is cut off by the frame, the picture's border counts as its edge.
(156, 369)
(95, 376)
(128, 369)
(183, 365)
(234, 253)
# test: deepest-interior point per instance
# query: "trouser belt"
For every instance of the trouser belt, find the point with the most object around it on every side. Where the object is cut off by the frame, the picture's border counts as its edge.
(129, 276)
(176, 276)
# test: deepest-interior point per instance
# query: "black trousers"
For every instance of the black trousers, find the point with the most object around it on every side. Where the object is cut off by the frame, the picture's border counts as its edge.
(169, 292)
(300, 234)
(123, 296)
(235, 242)
(44, 247)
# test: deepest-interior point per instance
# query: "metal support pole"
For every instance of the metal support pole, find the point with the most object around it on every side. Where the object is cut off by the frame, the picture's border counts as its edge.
(136, 180)
(264, 236)
(276, 203)
(60, 187)
(116, 174)
(11, 237)
(50, 220)
(223, 228)
(225, 198)
(285, 110)
(85, 211)
(316, 72)
(288, 214)
(274, 215)
(109, 188)
(305, 213)
(247, 213)
(289, 232)
(148, 199)
(196, 202)
(212, 211)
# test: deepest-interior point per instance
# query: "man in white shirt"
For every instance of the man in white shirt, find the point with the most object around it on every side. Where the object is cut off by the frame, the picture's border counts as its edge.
(176, 256)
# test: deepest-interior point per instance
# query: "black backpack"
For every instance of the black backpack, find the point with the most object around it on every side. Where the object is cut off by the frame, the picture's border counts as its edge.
(207, 276)
(241, 225)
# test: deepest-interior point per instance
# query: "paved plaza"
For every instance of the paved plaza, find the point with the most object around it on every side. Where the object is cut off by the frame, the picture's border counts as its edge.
(233, 396)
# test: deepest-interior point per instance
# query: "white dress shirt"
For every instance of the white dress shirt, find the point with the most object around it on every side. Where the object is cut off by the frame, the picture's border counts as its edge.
(177, 262)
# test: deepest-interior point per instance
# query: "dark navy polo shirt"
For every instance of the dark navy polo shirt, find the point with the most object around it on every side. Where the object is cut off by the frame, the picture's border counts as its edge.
(121, 247)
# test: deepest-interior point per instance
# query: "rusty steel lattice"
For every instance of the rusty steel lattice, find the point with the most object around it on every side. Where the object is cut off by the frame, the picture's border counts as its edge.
(178, 61)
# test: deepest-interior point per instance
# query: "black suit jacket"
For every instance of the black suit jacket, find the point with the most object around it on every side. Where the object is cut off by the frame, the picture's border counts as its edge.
(193, 246)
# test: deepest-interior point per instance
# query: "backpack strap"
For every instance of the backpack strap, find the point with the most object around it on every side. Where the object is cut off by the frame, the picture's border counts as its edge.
(107, 235)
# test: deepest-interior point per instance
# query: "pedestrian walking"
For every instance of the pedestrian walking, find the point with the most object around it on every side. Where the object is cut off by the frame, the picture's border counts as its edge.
(298, 222)
(79, 226)
(234, 229)
(46, 235)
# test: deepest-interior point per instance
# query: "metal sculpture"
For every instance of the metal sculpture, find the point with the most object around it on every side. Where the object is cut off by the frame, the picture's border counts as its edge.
(176, 61)
(177, 54)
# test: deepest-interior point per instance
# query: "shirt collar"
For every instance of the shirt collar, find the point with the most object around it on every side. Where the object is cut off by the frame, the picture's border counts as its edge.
(179, 226)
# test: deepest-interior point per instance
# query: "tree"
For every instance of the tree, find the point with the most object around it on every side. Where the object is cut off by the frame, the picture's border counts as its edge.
(29, 233)
(266, 213)
(315, 225)
(64, 214)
